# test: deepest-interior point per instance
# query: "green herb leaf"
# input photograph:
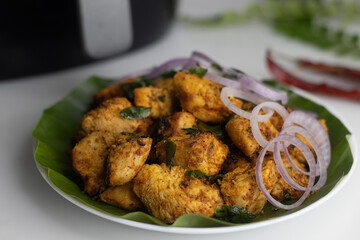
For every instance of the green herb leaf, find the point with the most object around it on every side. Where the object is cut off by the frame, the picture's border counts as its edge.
(129, 87)
(191, 130)
(137, 112)
(216, 129)
(161, 98)
(198, 71)
(238, 71)
(234, 214)
(134, 135)
(230, 76)
(170, 149)
(170, 74)
(200, 174)
(217, 67)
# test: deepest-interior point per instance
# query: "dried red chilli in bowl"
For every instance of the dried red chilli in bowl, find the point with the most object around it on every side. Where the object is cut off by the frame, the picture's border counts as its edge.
(248, 88)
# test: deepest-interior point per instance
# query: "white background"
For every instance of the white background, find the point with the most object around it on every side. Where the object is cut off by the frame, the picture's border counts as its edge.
(30, 209)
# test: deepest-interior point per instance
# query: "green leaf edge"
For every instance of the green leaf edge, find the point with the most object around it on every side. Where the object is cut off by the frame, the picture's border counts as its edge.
(63, 119)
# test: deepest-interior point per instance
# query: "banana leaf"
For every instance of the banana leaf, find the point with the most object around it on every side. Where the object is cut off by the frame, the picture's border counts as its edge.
(59, 123)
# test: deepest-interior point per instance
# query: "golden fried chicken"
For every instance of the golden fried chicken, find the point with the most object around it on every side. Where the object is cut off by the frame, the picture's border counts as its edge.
(126, 158)
(239, 131)
(234, 160)
(88, 159)
(239, 187)
(159, 99)
(106, 117)
(122, 197)
(174, 125)
(167, 83)
(171, 194)
(201, 97)
(282, 190)
(202, 151)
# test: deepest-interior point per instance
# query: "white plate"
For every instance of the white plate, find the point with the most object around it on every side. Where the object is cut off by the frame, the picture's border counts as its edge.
(186, 230)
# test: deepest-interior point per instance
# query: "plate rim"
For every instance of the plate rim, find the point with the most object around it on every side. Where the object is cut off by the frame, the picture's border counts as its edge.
(224, 229)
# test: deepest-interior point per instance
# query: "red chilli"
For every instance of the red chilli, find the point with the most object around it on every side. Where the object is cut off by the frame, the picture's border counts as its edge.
(283, 76)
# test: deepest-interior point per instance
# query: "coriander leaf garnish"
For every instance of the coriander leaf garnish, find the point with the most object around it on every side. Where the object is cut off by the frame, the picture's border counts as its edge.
(234, 214)
(134, 135)
(200, 174)
(190, 130)
(129, 87)
(169, 74)
(198, 71)
(216, 129)
(217, 67)
(230, 76)
(137, 112)
(238, 71)
(170, 149)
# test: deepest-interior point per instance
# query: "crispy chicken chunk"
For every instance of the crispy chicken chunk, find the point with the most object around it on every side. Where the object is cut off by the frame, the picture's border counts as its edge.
(282, 190)
(106, 117)
(202, 151)
(239, 187)
(88, 159)
(159, 99)
(170, 194)
(167, 83)
(122, 197)
(126, 158)
(201, 97)
(174, 125)
(239, 131)
(234, 160)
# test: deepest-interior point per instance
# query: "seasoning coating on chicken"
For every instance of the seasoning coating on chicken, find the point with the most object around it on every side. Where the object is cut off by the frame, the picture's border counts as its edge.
(88, 159)
(235, 159)
(174, 125)
(171, 194)
(106, 117)
(201, 151)
(122, 197)
(239, 131)
(239, 187)
(282, 190)
(167, 83)
(159, 99)
(126, 158)
(145, 127)
(201, 97)
(110, 92)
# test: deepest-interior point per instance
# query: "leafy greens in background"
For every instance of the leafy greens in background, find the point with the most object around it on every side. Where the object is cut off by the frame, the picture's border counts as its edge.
(304, 20)
(59, 123)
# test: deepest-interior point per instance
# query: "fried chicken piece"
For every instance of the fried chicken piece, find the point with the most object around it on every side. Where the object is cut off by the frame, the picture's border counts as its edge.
(202, 151)
(282, 190)
(122, 197)
(88, 159)
(159, 99)
(239, 131)
(174, 125)
(239, 187)
(167, 83)
(145, 128)
(126, 158)
(235, 159)
(113, 91)
(201, 97)
(171, 194)
(106, 117)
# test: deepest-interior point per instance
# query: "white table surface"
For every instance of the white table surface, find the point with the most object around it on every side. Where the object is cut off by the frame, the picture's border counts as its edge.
(30, 209)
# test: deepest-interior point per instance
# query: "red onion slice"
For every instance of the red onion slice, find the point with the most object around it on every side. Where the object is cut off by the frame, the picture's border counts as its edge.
(252, 97)
(255, 118)
(314, 127)
(311, 162)
(171, 65)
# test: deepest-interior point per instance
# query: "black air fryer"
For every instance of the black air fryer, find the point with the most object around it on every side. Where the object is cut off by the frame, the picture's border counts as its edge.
(43, 36)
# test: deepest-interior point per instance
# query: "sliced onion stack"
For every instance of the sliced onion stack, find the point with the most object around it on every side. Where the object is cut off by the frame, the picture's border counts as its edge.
(297, 122)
